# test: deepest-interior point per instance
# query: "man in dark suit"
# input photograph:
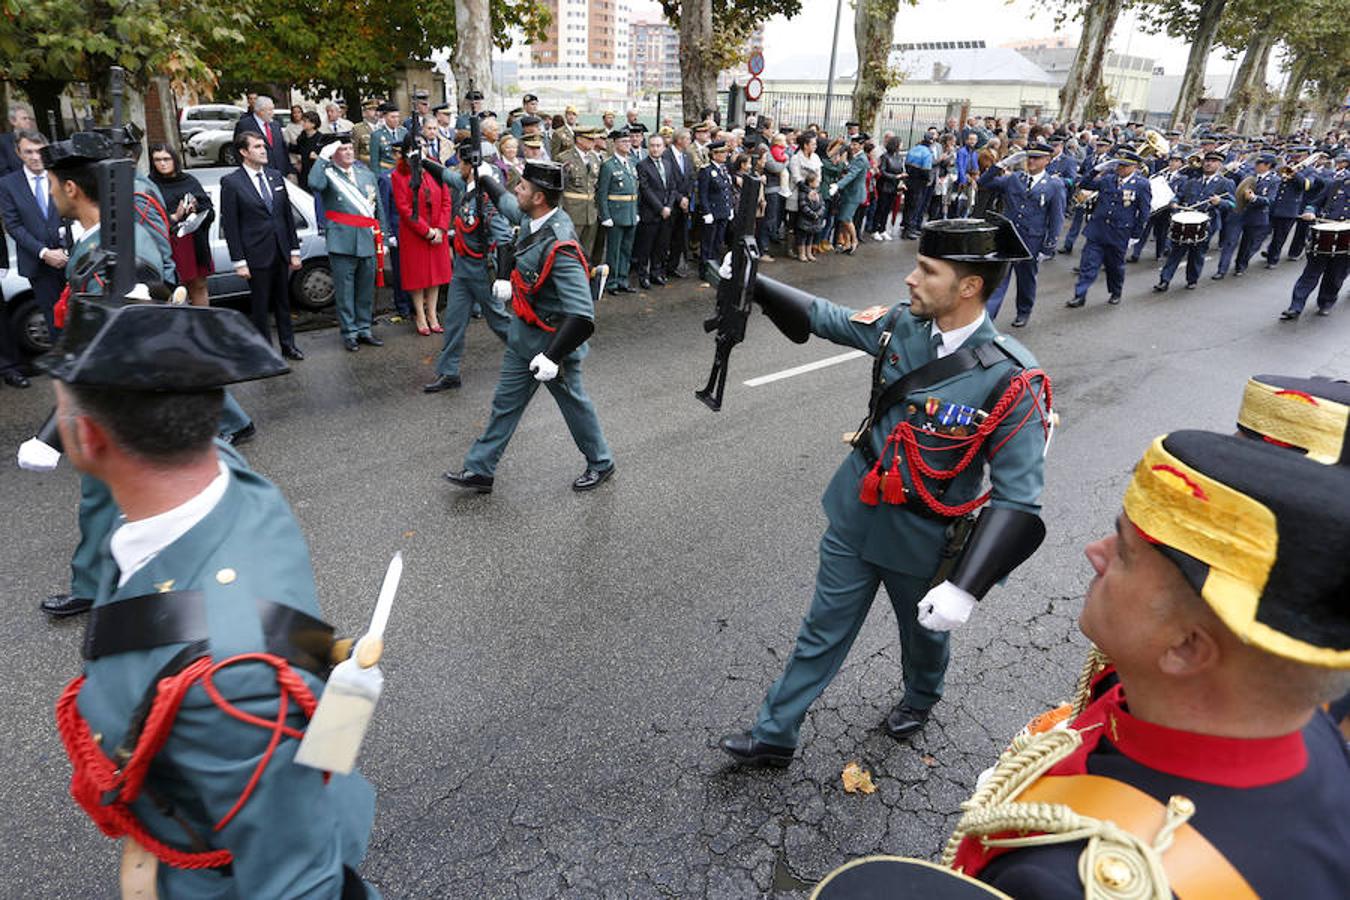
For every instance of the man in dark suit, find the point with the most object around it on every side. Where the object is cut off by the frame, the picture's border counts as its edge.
(20, 119)
(32, 218)
(682, 164)
(260, 121)
(657, 201)
(259, 228)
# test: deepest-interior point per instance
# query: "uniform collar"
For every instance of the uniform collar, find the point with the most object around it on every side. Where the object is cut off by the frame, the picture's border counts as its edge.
(1230, 762)
(136, 543)
(536, 224)
(952, 340)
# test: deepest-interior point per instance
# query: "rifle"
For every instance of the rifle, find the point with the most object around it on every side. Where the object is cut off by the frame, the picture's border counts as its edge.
(734, 294)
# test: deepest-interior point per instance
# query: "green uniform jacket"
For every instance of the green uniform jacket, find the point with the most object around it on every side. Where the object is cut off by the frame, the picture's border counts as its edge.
(295, 834)
(147, 252)
(381, 140)
(580, 179)
(562, 140)
(853, 184)
(618, 178)
(481, 238)
(892, 536)
(567, 292)
(830, 172)
(348, 239)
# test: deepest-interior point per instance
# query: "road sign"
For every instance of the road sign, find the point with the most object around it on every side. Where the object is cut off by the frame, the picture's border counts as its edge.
(756, 64)
(754, 89)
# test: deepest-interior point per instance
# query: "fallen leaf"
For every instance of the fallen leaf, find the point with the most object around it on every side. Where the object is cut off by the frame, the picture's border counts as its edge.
(408, 534)
(857, 780)
(929, 760)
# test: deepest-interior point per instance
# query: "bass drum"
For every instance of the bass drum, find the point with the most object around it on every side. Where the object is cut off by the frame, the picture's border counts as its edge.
(1329, 239)
(1161, 193)
(1189, 227)
(898, 878)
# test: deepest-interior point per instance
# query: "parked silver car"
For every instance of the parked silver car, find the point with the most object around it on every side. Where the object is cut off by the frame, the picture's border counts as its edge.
(215, 146)
(208, 117)
(311, 287)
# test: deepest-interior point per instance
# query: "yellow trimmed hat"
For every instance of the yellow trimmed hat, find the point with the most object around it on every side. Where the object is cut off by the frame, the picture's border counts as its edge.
(1262, 535)
(1307, 414)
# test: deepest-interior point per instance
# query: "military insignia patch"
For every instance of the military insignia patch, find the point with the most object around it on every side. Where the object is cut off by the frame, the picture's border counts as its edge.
(869, 315)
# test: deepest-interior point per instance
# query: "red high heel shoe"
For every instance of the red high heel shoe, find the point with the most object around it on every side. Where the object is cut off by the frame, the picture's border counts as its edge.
(437, 329)
(423, 330)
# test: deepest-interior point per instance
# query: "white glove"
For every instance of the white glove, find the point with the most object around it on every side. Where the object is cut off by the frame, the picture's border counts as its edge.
(724, 271)
(945, 607)
(1012, 160)
(834, 189)
(328, 150)
(487, 170)
(544, 369)
(608, 223)
(38, 456)
(708, 218)
(501, 289)
(392, 240)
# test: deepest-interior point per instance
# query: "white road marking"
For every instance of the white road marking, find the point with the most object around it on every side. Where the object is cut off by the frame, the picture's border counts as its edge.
(802, 370)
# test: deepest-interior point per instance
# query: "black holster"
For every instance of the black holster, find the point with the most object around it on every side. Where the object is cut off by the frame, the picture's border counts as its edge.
(787, 307)
(1001, 541)
(572, 333)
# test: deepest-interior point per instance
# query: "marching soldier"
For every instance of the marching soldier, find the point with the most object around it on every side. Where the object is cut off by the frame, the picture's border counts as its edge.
(385, 138)
(564, 136)
(1034, 201)
(1080, 210)
(714, 201)
(616, 201)
(205, 653)
(581, 175)
(476, 231)
(1222, 637)
(355, 235)
(365, 129)
(1291, 197)
(945, 383)
(554, 316)
(1159, 223)
(1215, 191)
(1123, 202)
(1330, 269)
(1249, 223)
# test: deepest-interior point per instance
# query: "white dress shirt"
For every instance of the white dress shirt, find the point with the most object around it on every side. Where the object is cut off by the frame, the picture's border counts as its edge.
(136, 543)
(952, 340)
(536, 224)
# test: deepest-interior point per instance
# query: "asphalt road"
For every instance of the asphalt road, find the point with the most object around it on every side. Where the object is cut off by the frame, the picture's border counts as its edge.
(560, 666)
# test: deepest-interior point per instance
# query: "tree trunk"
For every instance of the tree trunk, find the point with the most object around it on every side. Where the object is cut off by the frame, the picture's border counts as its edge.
(1193, 82)
(1249, 82)
(1085, 72)
(1329, 103)
(698, 67)
(1289, 101)
(471, 61)
(873, 28)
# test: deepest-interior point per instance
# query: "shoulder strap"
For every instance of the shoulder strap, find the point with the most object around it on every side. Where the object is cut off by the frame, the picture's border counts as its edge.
(984, 356)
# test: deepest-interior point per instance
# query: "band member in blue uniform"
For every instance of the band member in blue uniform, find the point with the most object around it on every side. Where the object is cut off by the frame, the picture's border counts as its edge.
(1159, 222)
(1215, 191)
(1249, 223)
(1332, 210)
(1221, 629)
(1093, 158)
(1124, 199)
(951, 398)
(1296, 190)
(1034, 201)
(554, 315)
(205, 653)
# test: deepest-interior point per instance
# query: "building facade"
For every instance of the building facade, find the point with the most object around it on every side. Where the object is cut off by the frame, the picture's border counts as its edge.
(586, 49)
(1127, 78)
(653, 58)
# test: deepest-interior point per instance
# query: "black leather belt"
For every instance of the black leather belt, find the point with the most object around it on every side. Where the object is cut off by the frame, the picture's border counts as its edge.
(179, 617)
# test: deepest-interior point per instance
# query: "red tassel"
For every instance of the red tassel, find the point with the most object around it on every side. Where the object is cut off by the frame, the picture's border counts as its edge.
(893, 485)
(870, 491)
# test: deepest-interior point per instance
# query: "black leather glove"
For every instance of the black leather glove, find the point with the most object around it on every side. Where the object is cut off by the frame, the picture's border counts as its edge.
(786, 306)
(572, 333)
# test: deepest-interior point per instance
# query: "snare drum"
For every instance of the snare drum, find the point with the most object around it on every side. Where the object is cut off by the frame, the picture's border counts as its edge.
(1330, 239)
(1189, 226)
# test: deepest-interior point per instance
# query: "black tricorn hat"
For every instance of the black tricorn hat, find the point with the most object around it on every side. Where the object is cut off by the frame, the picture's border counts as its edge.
(128, 135)
(1307, 414)
(991, 239)
(474, 95)
(155, 347)
(81, 148)
(1262, 534)
(387, 106)
(895, 876)
(543, 173)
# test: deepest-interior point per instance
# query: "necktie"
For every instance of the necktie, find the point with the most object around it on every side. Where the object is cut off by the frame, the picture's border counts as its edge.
(935, 343)
(40, 193)
(1027, 177)
(334, 128)
(267, 133)
(661, 170)
(265, 191)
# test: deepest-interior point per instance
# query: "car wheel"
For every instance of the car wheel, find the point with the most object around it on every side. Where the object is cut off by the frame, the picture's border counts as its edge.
(229, 156)
(30, 326)
(312, 286)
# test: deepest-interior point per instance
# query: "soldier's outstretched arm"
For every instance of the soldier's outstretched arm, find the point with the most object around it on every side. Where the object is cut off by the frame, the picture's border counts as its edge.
(799, 314)
(501, 198)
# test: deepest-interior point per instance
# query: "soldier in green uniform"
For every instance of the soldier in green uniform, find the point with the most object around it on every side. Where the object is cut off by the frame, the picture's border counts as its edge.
(564, 136)
(581, 173)
(550, 295)
(950, 399)
(363, 130)
(383, 139)
(616, 201)
(205, 652)
(355, 235)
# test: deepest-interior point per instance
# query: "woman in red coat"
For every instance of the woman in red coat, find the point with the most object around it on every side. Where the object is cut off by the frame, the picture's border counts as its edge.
(424, 248)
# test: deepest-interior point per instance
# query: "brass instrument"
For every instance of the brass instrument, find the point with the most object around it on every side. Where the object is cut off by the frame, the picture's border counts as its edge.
(1154, 145)
(1085, 199)
(1288, 171)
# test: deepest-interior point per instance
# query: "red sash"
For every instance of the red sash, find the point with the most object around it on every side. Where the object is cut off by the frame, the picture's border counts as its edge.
(462, 248)
(355, 221)
(522, 291)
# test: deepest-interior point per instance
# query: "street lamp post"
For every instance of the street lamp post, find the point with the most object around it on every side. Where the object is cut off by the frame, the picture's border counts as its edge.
(834, 52)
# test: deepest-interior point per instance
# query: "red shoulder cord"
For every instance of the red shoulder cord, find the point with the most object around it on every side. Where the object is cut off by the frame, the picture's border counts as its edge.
(879, 485)
(462, 248)
(106, 792)
(162, 225)
(522, 291)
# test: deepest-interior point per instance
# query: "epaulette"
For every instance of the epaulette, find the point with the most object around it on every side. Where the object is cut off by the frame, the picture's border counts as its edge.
(1016, 351)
